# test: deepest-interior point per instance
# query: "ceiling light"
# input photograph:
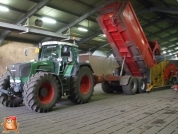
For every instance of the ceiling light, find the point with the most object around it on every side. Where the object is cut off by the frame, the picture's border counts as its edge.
(104, 35)
(164, 52)
(170, 54)
(82, 29)
(3, 8)
(49, 20)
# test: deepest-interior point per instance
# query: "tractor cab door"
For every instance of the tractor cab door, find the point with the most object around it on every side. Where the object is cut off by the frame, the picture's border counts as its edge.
(66, 56)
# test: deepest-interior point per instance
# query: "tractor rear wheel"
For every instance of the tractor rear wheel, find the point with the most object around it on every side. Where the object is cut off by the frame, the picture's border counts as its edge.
(131, 88)
(106, 87)
(82, 86)
(141, 85)
(6, 100)
(41, 92)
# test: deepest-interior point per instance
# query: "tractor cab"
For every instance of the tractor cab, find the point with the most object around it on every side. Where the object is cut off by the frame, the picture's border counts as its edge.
(61, 53)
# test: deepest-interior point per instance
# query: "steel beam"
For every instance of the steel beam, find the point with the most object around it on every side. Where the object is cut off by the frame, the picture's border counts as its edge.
(169, 37)
(83, 3)
(163, 10)
(151, 23)
(170, 43)
(29, 30)
(81, 18)
(98, 47)
(84, 16)
(90, 37)
(27, 15)
(160, 31)
(40, 16)
(109, 53)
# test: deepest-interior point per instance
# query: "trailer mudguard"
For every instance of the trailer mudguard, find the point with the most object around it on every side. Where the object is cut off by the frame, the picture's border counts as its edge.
(125, 80)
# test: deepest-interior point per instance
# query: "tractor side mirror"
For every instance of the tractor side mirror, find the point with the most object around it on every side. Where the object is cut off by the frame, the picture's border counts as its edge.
(26, 50)
(65, 49)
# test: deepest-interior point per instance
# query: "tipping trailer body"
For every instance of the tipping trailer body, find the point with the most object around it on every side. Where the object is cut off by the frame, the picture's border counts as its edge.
(124, 33)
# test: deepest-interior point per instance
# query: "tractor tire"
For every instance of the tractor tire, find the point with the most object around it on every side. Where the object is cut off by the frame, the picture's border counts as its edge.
(106, 87)
(141, 85)
(132, 86)
(41, 92)
(8, 101)
(82, 86)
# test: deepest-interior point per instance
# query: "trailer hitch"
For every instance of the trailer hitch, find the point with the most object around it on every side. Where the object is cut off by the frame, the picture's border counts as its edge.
(9, 93)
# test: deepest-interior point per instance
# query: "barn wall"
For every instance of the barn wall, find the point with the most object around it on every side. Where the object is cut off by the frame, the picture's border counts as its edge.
(13, 52)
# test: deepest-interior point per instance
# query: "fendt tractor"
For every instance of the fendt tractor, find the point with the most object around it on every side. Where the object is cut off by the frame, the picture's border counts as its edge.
(41, 83)
(58, 72)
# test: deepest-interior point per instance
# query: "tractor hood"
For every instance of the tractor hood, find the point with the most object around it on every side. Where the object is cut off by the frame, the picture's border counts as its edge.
(22, 70)
(43, 66)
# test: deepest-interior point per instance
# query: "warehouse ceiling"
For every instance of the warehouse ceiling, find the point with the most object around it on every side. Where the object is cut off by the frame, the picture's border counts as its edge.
(158, 19)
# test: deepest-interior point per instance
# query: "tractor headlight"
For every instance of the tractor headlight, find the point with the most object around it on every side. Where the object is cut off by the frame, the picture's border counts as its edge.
(16, 81)
(59, 59)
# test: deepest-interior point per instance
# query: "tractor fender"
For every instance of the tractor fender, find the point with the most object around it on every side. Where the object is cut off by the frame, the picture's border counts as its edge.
(125, 80)
(76, 67)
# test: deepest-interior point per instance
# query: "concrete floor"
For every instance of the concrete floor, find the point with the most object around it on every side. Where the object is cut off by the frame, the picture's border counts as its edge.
(149, 113)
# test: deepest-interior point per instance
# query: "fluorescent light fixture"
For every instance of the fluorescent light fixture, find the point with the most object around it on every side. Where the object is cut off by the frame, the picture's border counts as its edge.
(104, 35)
(170, 54)
(82, 29)
(169, 51)
(164, 52)
(49, 20)
(4, 9)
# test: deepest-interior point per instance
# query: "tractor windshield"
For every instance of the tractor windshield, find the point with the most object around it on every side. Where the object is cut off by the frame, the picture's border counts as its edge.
(50, 52)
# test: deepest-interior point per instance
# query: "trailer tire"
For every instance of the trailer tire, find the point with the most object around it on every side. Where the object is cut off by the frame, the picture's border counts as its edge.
(8, 101)
(118, 89)
(82, 86)
(132, 86)
(106, 87)
(41, 92)
(141, 85)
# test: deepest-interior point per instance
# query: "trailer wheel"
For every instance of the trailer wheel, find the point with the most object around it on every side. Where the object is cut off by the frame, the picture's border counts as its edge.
(82, 86)
(41, 92)
(106, 87)
(132, 86)
(118, 89)
(6, 100)
(141, 85)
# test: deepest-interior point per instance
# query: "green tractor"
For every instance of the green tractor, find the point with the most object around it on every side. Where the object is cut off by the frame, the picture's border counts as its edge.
(39, 84)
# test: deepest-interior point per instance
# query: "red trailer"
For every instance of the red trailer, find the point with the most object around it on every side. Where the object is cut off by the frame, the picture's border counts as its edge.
(131, 49)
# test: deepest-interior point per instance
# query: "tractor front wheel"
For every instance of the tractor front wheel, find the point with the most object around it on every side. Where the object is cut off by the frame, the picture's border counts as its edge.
(8, 101)
(41, 92)
(82, 86)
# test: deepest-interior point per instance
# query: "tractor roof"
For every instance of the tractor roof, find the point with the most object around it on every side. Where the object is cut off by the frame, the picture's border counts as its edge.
(59, 43)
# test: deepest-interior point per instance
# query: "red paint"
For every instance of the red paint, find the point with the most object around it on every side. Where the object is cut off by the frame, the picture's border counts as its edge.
(50, 93)
(85, 85)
